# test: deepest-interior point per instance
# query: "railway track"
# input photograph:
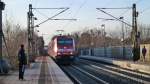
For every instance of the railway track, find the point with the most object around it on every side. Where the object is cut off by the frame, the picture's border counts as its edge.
(80, 76)
(122, 74)
(132, 73)
(89, 72)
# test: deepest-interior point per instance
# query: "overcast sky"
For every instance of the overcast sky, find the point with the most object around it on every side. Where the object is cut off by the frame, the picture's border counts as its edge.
(83, 10)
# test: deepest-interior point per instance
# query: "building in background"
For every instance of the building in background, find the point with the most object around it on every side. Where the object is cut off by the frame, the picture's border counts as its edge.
(40, 46)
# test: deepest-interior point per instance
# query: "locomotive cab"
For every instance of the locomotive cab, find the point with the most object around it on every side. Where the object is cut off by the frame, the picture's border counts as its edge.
(63, 49)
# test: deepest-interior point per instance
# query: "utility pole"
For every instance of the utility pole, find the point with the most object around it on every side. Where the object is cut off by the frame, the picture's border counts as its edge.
(135, 35)
(2, 6)
(30, 33)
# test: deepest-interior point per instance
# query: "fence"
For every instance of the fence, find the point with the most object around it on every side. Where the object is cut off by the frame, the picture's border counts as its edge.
(115, 52)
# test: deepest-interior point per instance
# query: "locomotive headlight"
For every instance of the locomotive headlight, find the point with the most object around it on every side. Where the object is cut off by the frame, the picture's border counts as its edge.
(55, 49)
(71, 53)
(58, 53)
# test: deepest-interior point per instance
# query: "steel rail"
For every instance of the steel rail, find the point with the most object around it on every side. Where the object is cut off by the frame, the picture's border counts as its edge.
(90, 75)
(118, 68)
(120, 74)
(71, 76)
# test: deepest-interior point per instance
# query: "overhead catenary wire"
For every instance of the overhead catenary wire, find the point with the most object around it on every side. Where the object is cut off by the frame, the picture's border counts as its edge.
(128, 8)
(52, 17)
(124, 12)
(138, 1)
(83, 4)
(42, 13)
(80, 7)
(71, 4)
(52, 8)
(106, 18)
(37, 10)
(146, 9)
(113, 17)
(117, 8)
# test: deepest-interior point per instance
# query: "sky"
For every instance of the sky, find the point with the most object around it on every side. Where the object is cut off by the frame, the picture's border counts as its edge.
(83, 10)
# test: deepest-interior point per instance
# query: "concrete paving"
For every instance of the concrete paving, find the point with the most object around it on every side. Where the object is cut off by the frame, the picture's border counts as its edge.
(43, 71)
(122, 63)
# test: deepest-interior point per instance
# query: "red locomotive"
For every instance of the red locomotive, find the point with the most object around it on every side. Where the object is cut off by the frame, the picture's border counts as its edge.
(62, 48)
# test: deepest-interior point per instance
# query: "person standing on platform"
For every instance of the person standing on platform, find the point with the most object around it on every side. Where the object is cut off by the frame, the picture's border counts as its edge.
(22, 62)
(144, 52)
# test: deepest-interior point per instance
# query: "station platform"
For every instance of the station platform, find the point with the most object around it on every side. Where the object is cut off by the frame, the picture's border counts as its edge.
(129, 64)
(43, 71)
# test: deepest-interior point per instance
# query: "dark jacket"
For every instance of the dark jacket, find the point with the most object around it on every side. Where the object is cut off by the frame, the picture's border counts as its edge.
(144, 51)
(22, 57)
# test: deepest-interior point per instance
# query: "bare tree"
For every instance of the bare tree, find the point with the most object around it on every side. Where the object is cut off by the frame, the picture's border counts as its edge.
(15, 35)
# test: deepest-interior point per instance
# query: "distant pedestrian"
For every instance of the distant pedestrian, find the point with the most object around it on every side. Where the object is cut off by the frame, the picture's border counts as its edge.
(144, 52)
(22, 62)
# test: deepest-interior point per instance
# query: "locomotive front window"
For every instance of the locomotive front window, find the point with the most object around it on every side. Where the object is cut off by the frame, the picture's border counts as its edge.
(65, 41)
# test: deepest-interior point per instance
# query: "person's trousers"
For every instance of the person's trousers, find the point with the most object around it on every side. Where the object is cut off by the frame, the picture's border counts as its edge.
(21, 71)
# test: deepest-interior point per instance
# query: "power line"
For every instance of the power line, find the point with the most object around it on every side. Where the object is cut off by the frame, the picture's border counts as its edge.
(117, 8)
(81, 6)
(138, 1)
(52, 8)
(106, 19)
(124, 12)
(70, 12)
(64, 19)
(146, 9)
(42, 14)
(52, 16)
(52, 19)
(113, 17)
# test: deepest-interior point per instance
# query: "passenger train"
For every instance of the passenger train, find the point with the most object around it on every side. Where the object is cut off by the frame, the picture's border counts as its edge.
(62, 49)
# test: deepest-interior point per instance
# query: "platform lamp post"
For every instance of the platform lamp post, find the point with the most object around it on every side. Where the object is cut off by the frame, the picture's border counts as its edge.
(2, 7)
(123, 47)
(104, 34)
(92, 48)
